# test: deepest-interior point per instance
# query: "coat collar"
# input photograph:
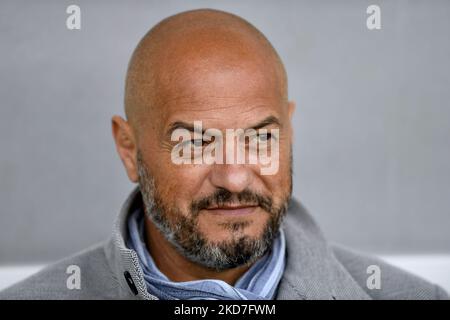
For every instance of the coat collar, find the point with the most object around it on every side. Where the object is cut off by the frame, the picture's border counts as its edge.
(124, 262)
(311, 272)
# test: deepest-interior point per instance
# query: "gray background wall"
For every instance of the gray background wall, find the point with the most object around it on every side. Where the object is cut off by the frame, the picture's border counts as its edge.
(372, 156)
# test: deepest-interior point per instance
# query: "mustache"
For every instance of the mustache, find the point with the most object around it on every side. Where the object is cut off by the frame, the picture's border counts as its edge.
(222, 197)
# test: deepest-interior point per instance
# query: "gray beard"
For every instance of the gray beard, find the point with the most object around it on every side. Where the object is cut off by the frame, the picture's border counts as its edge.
(184, 235)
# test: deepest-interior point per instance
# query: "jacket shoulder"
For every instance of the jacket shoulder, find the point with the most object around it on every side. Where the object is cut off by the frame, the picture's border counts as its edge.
(54, 282)
(395, 283)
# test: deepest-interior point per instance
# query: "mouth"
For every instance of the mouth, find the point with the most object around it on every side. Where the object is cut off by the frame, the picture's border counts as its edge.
(233, 210)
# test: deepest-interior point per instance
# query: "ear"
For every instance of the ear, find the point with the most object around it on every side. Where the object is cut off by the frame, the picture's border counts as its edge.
(291, 109)
(125, 145)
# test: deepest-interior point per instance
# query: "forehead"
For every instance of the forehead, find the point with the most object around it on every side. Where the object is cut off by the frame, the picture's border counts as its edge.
(220, 95)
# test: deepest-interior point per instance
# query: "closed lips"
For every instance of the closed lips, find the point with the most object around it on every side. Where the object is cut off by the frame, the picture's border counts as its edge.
(230, 209)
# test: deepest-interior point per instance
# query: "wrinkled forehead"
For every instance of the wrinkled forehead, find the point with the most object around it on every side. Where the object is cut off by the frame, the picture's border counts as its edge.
(226, 92)
(225, 88)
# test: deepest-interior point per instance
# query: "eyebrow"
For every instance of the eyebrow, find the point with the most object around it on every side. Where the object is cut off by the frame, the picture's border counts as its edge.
(190, 127)
(181, 125)
(266, 122)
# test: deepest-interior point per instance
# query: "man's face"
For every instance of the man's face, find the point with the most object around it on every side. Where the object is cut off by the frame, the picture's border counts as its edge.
(218, 215)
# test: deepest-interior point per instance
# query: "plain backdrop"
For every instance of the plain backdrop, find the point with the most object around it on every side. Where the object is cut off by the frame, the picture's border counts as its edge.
(372, 125)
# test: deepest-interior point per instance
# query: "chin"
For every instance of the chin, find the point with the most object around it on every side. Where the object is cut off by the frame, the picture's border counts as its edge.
(234, 231)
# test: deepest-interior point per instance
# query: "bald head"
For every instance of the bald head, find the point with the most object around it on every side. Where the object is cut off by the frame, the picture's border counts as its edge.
(184, 51)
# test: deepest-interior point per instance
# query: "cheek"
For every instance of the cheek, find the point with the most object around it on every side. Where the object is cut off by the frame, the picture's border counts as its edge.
(176, 184)
(285, 162)
(179, 185)
(279, 184)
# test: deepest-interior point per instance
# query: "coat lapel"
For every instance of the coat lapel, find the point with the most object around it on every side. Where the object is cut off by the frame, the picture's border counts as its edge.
(312, 271)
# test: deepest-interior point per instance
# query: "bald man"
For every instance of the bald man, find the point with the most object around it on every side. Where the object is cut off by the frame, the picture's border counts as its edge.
(202, 222)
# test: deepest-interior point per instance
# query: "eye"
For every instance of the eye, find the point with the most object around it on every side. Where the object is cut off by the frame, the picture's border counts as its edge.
(197, 142)
(264, 137)
(194, 143)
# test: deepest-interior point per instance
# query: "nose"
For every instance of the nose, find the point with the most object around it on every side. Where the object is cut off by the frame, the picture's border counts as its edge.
(234, 178)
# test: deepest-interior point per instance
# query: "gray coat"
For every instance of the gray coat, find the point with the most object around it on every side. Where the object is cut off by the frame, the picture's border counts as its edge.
(314, 269)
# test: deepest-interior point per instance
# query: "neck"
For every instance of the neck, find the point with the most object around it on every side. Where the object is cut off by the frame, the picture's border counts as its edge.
(179, 269)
